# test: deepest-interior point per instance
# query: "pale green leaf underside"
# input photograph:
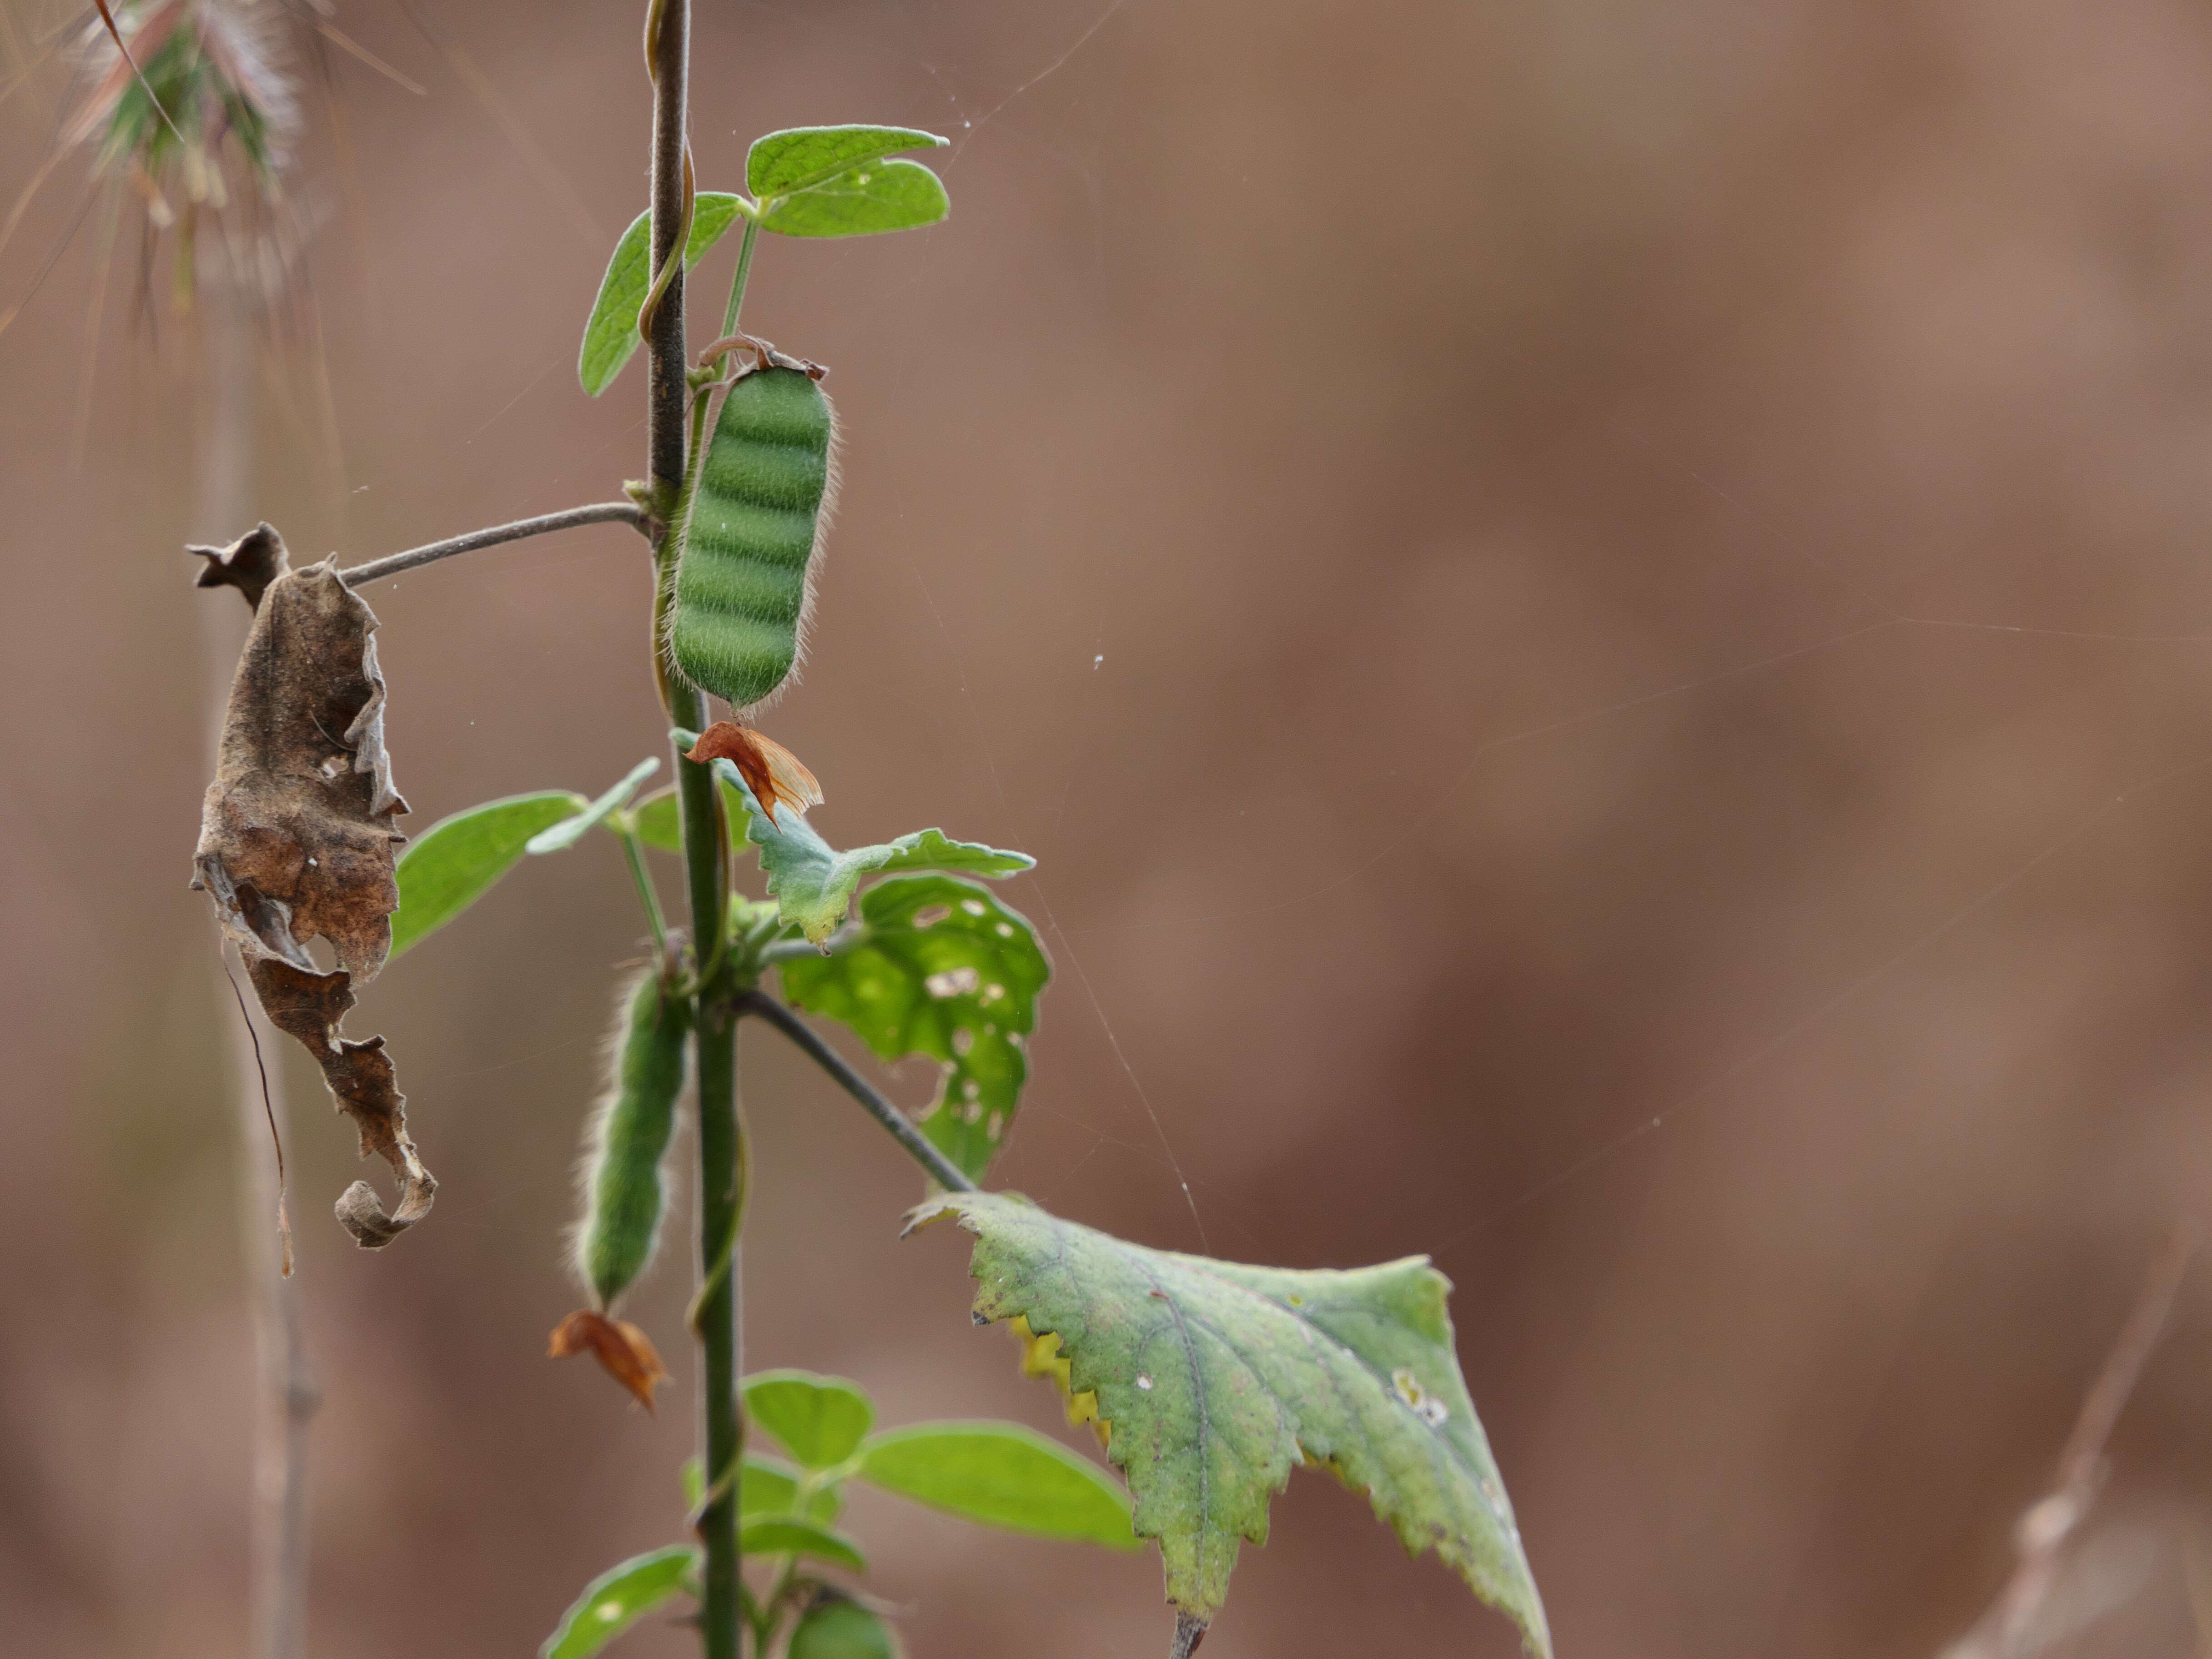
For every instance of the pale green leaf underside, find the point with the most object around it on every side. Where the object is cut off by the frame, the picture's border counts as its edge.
(819, 1420)
(567, 833)
(1001, 1474)
(800, 157)
(941, 967)
(787, 1534)
(617, 1599)
(611, 335)
(877, 195)
(454, 862)
(1217, 1378)
(812, 882)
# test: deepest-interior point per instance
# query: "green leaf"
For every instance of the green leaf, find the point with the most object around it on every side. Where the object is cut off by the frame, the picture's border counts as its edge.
(1001, 1474)
(838, 1629)
(611, 335)
(657, 821)
(877, 195)
(820, 1419)
(566, 834)
(771, 1487)
(451, 865)
(813, 882)
(798, 158)
(942, 969)
(617, 1599)
(787, 1534)
(1213, 1380)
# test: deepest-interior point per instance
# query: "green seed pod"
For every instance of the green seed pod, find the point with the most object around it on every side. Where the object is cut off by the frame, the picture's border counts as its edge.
(743, 578)
(625, 1192)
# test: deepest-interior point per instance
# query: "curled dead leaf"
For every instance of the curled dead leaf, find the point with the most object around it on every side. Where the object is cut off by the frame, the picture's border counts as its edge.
(249, 564)
(310, 1006)
(295, 833)
(625, 1351)
(772, 772)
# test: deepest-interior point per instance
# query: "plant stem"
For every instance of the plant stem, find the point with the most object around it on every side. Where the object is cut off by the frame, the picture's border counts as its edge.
(647, 897)
(738, 281)
(722, 1154)
(568, 518)
(942, 1169)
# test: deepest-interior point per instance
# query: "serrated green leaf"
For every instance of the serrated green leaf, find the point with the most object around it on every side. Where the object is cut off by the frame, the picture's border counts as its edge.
(771, 1487)
(800, 157)
(838, 1629)
(611, 334)
(819, 1420)
(1214, 1379)
(1001, 1474)
(787, 1534)
(813, 882)
(454, 862)
(876, 196)
(617, 1599)
(942, 969)
(567, 833)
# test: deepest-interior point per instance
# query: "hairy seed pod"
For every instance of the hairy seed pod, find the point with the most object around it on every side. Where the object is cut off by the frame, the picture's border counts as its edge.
(624, 1193)
(743, 579)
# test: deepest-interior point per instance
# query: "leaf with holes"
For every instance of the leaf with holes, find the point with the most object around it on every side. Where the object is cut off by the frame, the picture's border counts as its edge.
(611, 335)
(941, 969)
(1212, 1379)
(617, 1599)
(813, 882)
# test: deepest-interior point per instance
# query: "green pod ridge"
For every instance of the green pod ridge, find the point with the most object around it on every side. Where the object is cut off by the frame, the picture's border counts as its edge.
(762, 501)
(625, 1191)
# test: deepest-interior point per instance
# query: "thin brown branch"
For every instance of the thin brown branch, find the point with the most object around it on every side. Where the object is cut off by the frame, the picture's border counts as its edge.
(2007, 1629)
(393, 564)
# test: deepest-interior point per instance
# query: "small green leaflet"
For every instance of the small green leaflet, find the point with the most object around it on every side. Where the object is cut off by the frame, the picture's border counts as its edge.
(1216, 1379)
(617, 1599)
(771, 1487)
(838, 1629)
(787, 1534)
(611, 335)
(942, 969)
(881, 196)
(799, 158)
(813, 882)
(567, 833)
(1001, 1474)
(819, 1420)
(452, 865)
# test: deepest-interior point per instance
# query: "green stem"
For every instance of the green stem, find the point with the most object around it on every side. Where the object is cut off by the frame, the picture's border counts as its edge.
(942, 1169)
(738, 281)
(722, 1160)
(626, 827)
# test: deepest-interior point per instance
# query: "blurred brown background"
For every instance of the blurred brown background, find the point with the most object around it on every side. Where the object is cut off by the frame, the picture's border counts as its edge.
(1597, 612)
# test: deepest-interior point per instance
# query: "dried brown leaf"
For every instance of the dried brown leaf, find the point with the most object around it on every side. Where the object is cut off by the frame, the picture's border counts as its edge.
(248, 564)
(311, 1006)
(625, 1351)
(772, 772)
(296, 833)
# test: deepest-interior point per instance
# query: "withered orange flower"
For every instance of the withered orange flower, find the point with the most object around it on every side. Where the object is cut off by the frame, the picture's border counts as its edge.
(625, 1351)
(772, 772)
